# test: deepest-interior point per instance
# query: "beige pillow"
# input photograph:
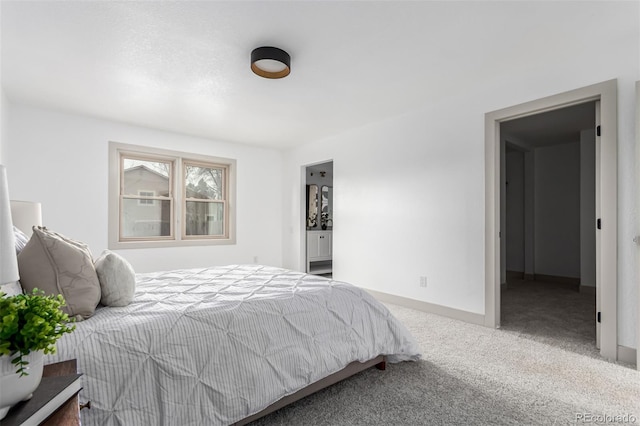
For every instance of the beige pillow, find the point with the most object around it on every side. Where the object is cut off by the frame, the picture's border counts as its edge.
(59, 265)
(117, 279)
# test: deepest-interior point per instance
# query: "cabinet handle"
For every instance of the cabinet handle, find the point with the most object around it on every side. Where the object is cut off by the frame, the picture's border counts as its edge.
(87, 405)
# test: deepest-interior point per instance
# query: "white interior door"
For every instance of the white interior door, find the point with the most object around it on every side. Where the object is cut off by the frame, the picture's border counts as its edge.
(637, 238)
(598, 239)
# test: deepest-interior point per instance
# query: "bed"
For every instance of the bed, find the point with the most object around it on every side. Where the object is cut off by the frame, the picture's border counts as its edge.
(226, 345)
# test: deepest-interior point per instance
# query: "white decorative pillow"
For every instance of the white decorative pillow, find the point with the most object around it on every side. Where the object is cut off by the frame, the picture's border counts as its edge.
(11, 289)
(21, 240)
(117, 279)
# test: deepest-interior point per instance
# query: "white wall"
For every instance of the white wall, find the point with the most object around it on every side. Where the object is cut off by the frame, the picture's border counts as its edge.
(61, 160)
(401, 211)
(409, 190)
(557, 210)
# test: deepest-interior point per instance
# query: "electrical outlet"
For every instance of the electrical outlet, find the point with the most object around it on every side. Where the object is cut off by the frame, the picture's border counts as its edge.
(423, 281)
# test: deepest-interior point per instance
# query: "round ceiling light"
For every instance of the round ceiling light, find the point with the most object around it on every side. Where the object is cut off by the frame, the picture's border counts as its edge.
(270, 62)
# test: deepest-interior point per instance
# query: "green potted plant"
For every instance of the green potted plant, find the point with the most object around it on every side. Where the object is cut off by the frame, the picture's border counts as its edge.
(30, 325)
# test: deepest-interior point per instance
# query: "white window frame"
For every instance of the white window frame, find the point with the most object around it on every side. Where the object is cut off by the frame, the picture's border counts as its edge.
(178, 235)
(223, 201)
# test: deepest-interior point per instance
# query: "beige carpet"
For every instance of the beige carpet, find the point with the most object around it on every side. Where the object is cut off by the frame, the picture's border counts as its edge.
(547, 373)
(551, 313)
(473, 375)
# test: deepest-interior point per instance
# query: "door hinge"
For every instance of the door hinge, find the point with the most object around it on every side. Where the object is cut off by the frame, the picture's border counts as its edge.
(599, 223)
(598, 131)
(599, 317)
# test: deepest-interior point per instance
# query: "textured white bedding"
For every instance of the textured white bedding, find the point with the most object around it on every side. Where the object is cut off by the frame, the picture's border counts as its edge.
(212, 346)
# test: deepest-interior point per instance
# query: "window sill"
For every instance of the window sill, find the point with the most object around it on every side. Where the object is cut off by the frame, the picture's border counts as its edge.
(117, 245)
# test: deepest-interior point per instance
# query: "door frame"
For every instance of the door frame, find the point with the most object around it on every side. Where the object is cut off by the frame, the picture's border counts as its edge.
(637, 238)
(302, 258)
(606, 268)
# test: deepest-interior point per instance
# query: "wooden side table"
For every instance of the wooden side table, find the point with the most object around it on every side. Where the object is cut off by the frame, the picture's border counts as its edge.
(54, 402)
(69, 413)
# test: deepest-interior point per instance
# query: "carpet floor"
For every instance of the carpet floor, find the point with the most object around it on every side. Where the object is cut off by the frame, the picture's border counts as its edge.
(540, 368)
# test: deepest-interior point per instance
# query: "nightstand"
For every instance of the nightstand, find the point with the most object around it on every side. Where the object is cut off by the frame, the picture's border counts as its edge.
(54, 402)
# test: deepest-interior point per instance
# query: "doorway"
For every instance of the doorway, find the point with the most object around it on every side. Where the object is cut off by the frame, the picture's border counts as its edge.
(548, 223)
(605, 95)
(318, 219)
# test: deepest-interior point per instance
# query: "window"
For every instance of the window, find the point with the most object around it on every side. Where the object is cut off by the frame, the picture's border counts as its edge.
(205, 199)
(161, 198)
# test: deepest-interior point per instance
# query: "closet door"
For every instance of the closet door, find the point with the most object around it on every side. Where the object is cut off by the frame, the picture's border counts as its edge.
(324, 245)
(313, 245)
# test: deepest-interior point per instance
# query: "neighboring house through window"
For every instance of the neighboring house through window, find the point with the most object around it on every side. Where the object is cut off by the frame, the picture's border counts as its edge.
(147, 200)
(162, 198)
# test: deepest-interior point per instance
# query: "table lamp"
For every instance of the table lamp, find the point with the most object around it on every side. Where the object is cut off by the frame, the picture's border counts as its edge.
(8, 259)
(25, 215)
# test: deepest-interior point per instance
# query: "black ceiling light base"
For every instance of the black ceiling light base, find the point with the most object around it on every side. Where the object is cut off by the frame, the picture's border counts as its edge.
(270, 62)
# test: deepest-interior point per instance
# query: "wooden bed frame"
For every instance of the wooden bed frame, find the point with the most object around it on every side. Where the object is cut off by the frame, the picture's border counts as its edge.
(351, 369)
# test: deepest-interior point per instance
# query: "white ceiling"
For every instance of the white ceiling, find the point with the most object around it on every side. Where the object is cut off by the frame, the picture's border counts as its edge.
(184, 66)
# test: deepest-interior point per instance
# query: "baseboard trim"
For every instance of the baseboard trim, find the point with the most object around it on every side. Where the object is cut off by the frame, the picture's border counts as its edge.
(514, 275)
(569, 282)
(627, 355)
(587, 289)
(557, 280)
(431, 308)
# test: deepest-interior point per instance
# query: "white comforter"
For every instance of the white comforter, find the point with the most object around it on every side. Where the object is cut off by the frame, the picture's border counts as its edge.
(212, 346)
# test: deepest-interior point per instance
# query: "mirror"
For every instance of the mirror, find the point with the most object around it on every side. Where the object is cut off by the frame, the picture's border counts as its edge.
(326, 213)
(312, 203)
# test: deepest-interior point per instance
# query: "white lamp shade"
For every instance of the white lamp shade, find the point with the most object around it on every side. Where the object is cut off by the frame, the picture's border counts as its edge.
(8, 259)
(25, 215)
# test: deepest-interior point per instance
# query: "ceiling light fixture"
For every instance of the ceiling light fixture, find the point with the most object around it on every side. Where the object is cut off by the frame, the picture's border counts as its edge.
(270, 62)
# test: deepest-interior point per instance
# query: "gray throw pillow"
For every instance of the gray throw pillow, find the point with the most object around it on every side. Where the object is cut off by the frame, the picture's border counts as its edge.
(59, 265)
(117, 279)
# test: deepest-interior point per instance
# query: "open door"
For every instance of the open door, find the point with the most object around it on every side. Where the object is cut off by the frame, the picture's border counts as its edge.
(597, 225)
(637, 238)
(318, 218)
